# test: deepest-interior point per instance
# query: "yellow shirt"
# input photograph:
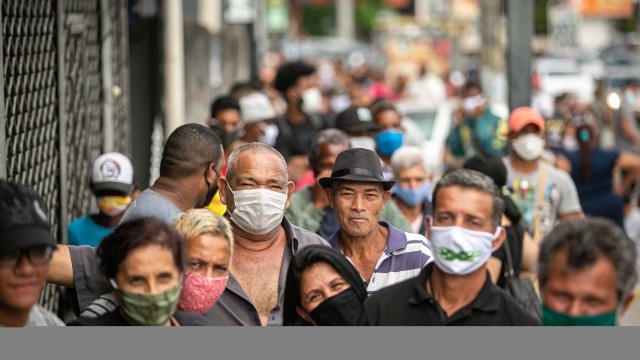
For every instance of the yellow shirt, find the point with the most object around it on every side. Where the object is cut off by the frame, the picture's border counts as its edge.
(215, 206)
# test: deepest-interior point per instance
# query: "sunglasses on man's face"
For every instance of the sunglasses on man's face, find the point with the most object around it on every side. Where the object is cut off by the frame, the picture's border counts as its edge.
(37, 255)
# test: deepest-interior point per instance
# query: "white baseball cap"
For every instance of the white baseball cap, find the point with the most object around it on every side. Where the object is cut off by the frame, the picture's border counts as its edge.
(256, 107)
(112, 171)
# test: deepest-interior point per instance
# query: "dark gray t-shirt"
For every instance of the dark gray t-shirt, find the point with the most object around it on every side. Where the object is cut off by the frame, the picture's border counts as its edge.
(151, 204)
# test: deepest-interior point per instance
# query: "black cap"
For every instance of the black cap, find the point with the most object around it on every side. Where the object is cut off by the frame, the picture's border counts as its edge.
(23, 218)
(355, 119)
(357, 164)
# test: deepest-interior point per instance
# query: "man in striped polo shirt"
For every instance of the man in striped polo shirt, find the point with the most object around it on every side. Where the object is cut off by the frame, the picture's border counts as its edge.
(382, 254)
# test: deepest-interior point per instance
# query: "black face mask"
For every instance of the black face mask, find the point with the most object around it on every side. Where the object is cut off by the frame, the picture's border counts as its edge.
(227, 137)
(211, 189)
(344, 309)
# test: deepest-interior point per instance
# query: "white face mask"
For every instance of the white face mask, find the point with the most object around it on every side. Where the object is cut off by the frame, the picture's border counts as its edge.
(363, 142)
(470, 104)
(270, 134)
(529, 146)
(258, 211)
(570, 144)
(459, 251)
(312, 100)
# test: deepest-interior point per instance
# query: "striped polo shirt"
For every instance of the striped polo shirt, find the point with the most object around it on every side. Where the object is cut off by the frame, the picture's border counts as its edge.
(404, 257)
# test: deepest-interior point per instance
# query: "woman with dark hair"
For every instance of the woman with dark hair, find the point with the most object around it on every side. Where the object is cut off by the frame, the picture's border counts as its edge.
(593, 170)
(142, 263)
(323, 288)
(522, 248)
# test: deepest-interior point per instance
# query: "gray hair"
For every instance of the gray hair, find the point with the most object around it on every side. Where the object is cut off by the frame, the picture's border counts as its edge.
(254, 148)
(585, 241)
(408, 157)
(471, 179)
(328, 136)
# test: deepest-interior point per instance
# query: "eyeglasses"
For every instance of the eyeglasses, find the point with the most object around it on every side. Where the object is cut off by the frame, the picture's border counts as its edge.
(37, 255)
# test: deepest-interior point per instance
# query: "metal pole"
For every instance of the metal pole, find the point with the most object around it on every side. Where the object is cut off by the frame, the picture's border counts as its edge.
(520, 33)
(3, 115)
(253, 53)
(296, 13)
(491, 51)
(345, 19)
(260, 31)
(62, 122)
(173, 56)
(107, 80)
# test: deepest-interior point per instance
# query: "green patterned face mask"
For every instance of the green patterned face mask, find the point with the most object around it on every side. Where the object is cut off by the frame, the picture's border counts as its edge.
(149, 309)
(451, 255)
(460, 251)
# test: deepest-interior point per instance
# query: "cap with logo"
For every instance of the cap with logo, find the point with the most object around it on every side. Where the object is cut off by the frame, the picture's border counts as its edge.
(112, 172)
(24, 220)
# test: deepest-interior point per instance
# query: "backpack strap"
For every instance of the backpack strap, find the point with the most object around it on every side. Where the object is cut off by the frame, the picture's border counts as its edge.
(537, 217)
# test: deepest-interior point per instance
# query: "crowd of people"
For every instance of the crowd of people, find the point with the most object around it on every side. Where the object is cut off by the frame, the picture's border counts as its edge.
(282, 211)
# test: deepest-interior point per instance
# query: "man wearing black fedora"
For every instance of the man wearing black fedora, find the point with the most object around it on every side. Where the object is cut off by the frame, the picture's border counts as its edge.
(382, 253)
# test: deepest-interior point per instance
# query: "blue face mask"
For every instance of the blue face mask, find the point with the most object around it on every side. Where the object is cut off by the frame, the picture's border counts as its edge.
(388, 141)
(413, 197)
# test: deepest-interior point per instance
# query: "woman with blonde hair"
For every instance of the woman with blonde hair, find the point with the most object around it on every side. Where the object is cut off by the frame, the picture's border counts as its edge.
(208, 246)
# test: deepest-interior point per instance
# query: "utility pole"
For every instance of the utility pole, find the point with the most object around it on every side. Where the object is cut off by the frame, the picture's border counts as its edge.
(520, 33)
(492, 70)
(296, 12)
(422, 11)
(173, 63)
(210, 15)
(345, 11)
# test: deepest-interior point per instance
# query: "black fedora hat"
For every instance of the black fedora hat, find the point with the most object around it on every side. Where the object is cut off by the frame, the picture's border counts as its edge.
(358, 164)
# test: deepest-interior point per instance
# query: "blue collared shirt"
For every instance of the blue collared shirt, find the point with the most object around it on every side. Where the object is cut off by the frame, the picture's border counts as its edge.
(404, 257)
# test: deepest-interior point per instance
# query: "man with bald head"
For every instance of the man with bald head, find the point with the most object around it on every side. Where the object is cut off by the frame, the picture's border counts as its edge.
(256, 190)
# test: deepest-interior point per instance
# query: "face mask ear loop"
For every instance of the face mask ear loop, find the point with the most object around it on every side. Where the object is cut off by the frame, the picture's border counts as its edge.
(113, 284)
(496, 234)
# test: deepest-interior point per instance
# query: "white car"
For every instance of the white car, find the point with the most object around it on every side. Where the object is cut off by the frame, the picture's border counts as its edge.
(563, 75)
(428, 125)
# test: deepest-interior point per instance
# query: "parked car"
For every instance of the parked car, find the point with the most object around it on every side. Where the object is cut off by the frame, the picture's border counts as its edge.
(428, 125)
(563, 75)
